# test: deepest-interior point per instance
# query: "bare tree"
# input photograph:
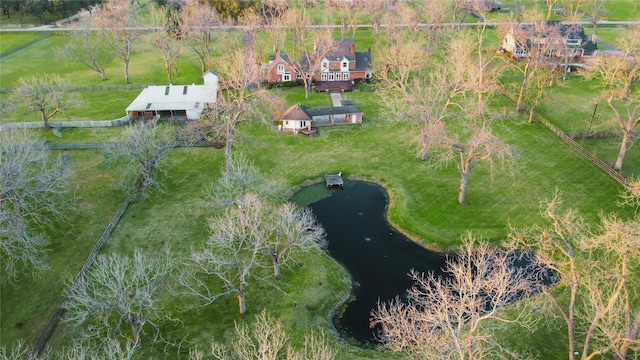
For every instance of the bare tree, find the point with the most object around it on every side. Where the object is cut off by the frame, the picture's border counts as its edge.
(198, 20)
(412, 93)
(43, 93)
(244, 178)
(16, 351)
(92, 349)
(310, 45)
(34, 195)
(267, 340)
(537, 40)
(451, 317)
(294, 228)
(349, 17)
(143, 148)
(278, 228)
(631, 196)
(120, 290)
(117, 18)
(538, 87)
(468, 147)
(596, 279)
(89, 49)
(595, 9)
(570, 9)
(551, 5)
(169, 44)
(375, 10)
(315, 348)
(481, 70)
(619, 77)
(275, 24)
(242, 98)
(229, 255)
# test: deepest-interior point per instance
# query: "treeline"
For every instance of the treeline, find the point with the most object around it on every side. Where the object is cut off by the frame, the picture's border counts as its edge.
(39, 8)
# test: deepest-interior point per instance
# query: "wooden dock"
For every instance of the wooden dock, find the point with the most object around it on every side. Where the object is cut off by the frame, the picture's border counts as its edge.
(334, 179)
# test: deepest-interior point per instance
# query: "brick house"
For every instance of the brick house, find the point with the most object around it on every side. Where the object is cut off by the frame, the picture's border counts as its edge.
(281, 68)
(340, 67)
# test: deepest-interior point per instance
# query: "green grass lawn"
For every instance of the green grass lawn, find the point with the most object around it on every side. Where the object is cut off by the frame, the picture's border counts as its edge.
(423, 198)
(11, 41)
(28, 302)
(423, 204)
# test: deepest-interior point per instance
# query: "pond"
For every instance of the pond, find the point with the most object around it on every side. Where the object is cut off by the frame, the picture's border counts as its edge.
(376, 255)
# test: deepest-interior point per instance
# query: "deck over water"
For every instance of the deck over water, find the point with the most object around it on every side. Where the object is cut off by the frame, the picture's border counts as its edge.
(334, 180)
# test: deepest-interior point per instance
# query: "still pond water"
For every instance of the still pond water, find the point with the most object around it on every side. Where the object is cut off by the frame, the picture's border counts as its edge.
(376, 255)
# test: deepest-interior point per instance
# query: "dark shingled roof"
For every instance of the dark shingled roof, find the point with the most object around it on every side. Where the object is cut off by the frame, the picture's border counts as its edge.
(341, 48)
(363, 61)
(296, 112)
(301, 112)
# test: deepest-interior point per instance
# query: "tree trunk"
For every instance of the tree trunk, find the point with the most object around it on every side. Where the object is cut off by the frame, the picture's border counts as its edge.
(462, 191)
(572, 312)
(622, 153)
(126, 72)
(532, 112)
(135, 332)
(45, 119)
(629, 81)
(228, 148)
(241, 302)
(276, 268)
(307, 90)
(424, 145)
(523, 89)
(632, 335)
(103, 74)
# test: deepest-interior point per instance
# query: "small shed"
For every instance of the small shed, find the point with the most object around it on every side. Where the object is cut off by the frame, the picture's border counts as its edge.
(299, 117)
(334, 179)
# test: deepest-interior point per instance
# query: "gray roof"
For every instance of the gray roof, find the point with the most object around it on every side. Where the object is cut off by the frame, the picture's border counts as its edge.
(294, 113)
(174, 97)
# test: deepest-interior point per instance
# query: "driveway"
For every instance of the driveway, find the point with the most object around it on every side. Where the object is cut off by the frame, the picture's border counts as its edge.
(336, 99)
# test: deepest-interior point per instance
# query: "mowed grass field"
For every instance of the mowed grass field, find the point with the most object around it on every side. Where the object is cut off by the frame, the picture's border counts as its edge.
(422, 201)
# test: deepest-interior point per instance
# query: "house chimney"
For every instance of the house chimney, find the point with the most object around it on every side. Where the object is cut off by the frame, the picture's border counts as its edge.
(353, 48)
(369, 49)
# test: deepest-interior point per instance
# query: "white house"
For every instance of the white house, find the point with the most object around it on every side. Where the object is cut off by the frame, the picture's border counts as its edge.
(174, 102)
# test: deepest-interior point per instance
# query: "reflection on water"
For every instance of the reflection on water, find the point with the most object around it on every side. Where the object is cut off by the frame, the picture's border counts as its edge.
(376, 255)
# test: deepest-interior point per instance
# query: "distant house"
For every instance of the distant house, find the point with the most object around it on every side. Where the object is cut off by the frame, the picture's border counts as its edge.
(560, 40)
(174, 102)
(300, 118)
(339, 67)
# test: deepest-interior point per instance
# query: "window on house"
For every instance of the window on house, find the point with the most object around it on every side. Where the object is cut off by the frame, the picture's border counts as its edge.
(345, 76)
(280, 68)
(286, 122)
(298, 75)
(324, 77)
(338, 76)
(331, 78)
(286, 77)
(325, 65)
